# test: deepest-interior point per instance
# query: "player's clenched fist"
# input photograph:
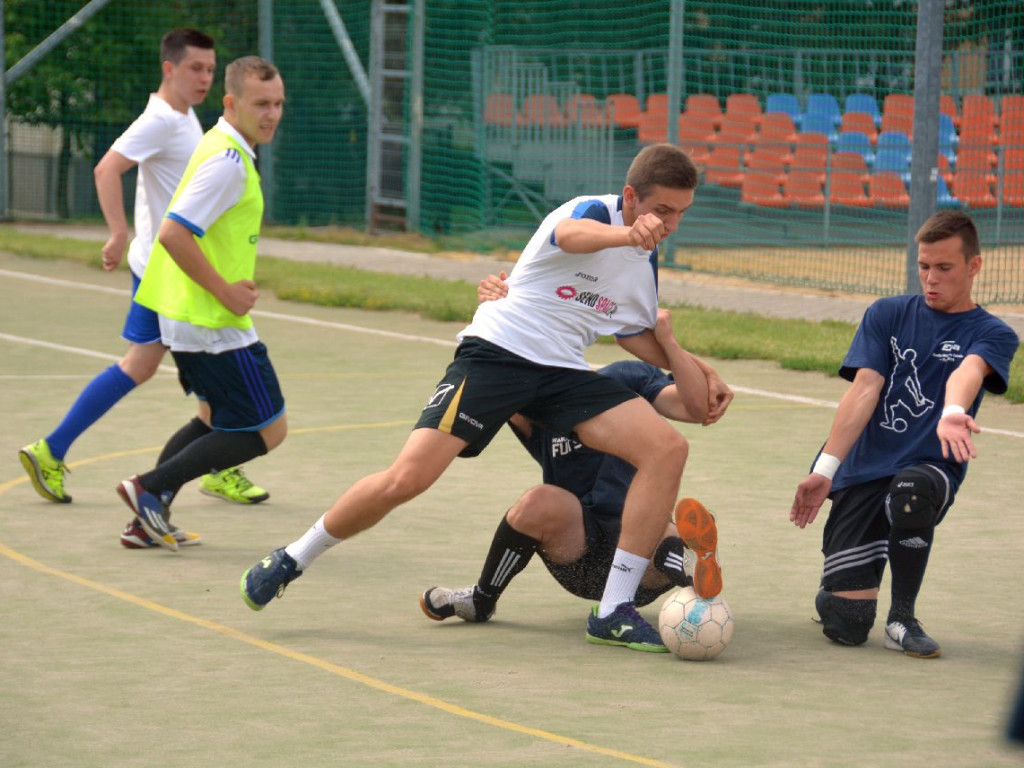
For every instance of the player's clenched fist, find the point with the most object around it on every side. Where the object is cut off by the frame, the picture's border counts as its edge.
(647, 231)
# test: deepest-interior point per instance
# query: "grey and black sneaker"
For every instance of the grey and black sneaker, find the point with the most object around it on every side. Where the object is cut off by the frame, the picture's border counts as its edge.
(909, 636)
(440, 603)
(268, 578)
(626, 627)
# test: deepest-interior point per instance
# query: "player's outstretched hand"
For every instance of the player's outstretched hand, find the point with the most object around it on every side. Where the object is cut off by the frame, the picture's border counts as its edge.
(113, 251)
(240, 297)
(647, 231)
(492, 288)
(810, 495)
(954, 433)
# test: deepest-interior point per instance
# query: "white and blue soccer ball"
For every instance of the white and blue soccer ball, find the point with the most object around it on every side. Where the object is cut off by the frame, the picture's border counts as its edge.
(695, 628)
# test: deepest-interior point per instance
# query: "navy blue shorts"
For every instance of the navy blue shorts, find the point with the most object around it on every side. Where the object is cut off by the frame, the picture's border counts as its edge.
(485, 385)
(240, 386)
(587, 576)
(141, 325)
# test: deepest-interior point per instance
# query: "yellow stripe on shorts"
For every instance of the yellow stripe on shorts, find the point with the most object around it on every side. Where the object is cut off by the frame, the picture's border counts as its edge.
(451, 411)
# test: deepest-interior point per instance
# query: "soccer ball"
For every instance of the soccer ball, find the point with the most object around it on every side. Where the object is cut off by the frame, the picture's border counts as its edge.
(693, 627)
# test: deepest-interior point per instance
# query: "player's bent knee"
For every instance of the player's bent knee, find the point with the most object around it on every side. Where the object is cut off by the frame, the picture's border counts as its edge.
(917, 496)
(845, 621)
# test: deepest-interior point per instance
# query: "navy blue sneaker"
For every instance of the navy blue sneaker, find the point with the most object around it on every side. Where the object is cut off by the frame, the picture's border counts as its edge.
(624, 626)
(268, 578)
(153, 514)
(909, 636)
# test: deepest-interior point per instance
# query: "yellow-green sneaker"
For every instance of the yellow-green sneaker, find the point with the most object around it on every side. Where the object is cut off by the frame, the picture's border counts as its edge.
(232, 485)
(45, 472)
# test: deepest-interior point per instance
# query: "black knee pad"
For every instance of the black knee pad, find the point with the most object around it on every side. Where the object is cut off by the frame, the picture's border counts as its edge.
(844, 621)
(916, 497)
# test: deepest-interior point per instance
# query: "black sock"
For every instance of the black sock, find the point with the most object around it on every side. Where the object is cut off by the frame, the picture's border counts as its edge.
(509, 553)
(668, 560)
(212, 452)
(191, 431)
(908, 559)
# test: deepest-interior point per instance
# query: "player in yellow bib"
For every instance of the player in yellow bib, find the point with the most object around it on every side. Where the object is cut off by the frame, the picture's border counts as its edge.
(199, 281)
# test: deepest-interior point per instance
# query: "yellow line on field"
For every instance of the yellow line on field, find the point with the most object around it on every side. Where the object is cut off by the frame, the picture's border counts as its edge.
(305, 658)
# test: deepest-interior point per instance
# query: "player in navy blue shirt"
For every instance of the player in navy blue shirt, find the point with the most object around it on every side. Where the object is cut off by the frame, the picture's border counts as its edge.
(899, 445)
(573, 519)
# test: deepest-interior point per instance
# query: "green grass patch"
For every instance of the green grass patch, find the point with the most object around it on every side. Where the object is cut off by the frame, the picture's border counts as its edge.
(801, 345)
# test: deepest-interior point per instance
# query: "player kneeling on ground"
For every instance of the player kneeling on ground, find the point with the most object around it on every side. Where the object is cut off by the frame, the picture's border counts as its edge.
(901, 438)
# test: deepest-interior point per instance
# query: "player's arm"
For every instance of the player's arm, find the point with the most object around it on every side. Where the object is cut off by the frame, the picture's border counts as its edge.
(855, 409)
(585, 235)
(238, 297)
(687, 399)
(110, 192)
(955, 426)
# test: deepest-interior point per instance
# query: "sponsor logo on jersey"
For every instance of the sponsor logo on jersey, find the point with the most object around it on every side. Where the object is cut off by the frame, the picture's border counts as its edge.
(587, 277)
(591, 299)
(948, 352)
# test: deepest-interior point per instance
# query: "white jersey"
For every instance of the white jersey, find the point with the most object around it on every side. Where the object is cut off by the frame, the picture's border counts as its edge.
(559, 303)
(160, 141)
(217, 184)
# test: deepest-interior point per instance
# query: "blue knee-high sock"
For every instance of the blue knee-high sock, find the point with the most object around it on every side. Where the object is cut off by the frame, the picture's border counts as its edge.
(99, 396)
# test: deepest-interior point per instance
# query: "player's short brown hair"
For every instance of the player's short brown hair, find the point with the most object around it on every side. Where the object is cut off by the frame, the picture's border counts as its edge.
(946, 224)
(239, 69)
(662, 165)
(173, 44)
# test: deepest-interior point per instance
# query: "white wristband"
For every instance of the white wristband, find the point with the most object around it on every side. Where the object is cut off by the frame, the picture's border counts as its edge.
(949, 410)
(826, 465)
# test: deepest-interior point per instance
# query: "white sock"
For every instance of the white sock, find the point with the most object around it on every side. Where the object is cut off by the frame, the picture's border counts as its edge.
(623, 581)
(313, 543)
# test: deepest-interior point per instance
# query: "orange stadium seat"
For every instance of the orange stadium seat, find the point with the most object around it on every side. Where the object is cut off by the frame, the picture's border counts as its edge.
(769, 159)
(973, 189)
(541, 109)
(736, 129)
(947, 106)
(725, 165)
(704, 104)
(886, 189)
(804, 188)
(847, 188)
(625, 109)
(696, 134)
(500, 109)
(762, 188)
(859, 121)
(851, 162)
(583, 109)
(746, 104)
(777, 128)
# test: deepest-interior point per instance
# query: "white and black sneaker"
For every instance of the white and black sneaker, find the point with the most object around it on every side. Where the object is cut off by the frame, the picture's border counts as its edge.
(909, 637)
(440, 603)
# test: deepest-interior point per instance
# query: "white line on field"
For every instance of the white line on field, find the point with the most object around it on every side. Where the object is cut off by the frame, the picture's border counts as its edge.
(356, 329)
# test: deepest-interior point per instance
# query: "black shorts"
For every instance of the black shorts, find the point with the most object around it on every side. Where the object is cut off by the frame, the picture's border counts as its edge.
(240, 386)
(587, 576)
(855, 541)
(485, 385)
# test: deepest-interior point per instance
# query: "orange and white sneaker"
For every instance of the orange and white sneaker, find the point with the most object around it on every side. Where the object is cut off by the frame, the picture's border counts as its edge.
(698, 531)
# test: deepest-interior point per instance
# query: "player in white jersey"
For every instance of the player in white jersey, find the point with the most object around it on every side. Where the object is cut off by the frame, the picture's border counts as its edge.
(589, 270)
(160, 142)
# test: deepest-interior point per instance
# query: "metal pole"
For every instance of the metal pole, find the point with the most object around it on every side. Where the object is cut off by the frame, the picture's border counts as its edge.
(675, 95)
(415, 160)
(4, 165)
(924, 160)
(266, 157)
(55, 38)
(347, 49)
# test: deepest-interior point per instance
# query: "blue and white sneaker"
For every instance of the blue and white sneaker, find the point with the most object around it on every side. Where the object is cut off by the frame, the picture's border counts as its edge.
(268, 578)
(626, 627)
(153, 514)
(909, 636)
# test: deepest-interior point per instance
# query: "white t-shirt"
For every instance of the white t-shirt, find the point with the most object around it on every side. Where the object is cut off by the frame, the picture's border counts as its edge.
(160, 141)
(217, 184)
(559, 303)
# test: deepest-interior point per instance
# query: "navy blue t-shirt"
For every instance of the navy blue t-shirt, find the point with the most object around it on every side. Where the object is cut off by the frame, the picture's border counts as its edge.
(916, 348)
(599, 480)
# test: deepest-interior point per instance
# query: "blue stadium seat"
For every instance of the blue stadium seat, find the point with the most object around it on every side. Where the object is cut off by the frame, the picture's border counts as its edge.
(818, 123)
(892, 153)
(948, 138)
(855, 141)
(784, 102)
(863, 102)
(943, 198)
(824, 104)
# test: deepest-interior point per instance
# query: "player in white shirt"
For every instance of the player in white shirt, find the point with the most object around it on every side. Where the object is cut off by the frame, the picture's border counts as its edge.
(160, 142)
(590, 269)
